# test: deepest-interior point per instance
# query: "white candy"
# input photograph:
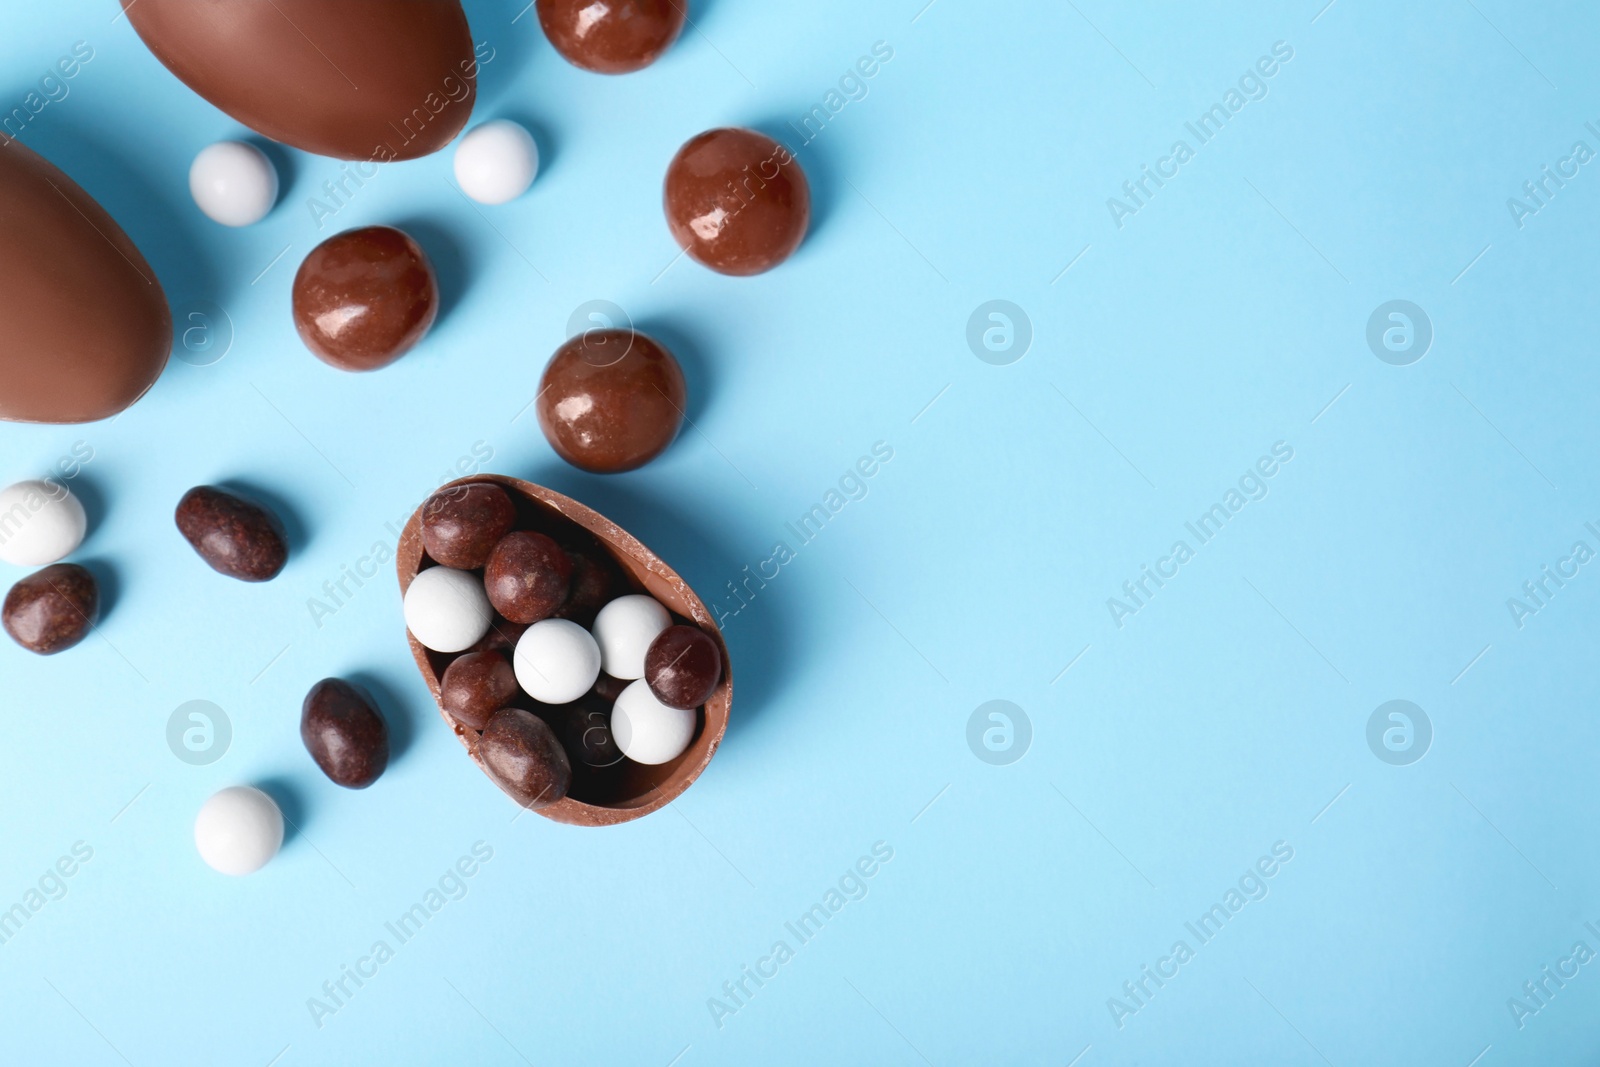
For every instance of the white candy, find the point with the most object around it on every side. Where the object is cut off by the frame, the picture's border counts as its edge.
(233, 182)
(238, 830)
(447, 610)
(496, 162)
(40, 523)
(624, 629)
(647, 730)
(556, 661)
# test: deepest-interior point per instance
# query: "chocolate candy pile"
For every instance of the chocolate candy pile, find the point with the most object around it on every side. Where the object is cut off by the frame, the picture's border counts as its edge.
(565, 673)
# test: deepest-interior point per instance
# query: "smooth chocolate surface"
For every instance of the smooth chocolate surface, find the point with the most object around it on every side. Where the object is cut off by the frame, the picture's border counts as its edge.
(235, 536)
(521, 753)
(354, 79)
(612, 36)
(737, 201)
(586, 734)
(344, 733)
(611, 400)
(461, 526)
(52, 609)
(84, 325)
(362, 298)
(527, 576)
(476, 685)
(682, 667)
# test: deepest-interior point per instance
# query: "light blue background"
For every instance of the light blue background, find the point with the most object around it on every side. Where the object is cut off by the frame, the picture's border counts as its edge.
(1223, 717)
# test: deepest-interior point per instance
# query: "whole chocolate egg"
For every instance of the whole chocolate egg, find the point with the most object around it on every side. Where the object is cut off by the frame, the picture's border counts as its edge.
(84, 325)
(356, 79)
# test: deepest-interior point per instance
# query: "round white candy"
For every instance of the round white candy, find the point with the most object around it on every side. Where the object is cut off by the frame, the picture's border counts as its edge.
(496, 162)
(556, 661)
(238, 830)
(40, 523)
(624, 629)
(647, 730)
(233, 182)
(447, 610)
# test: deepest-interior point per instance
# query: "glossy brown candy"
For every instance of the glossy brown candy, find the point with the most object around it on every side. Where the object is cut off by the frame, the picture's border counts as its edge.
(84, 325)
(344, 733)
(461, 526)
(503, 636)
(682, 667)
(364, 297)
(373, 80)
(522, 755)
(611, 400)
(608, 688)
(737, 201)
(52, 609)
(590, 589)
(527, 576)
(587, 738)
(234, 536)
(476, 685)
(613, 37)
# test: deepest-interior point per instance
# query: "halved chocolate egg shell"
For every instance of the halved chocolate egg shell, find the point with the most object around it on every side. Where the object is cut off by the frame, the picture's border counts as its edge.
(627, 790)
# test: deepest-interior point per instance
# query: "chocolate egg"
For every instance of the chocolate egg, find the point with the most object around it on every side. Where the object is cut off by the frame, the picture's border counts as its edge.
(356, 79)
(612, 38)
(737, 201)
(84, 325)
(629, 790)
(362, 298)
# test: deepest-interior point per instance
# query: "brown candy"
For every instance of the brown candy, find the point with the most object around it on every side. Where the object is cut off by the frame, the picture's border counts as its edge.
(590, 590)
(234, 536)
(344, 733)
(611, 400)
(682, 667)
(461, 526)
(608, 688)
(52, 609)
(587, 737)
(362, 298)
(476, 685)
(522, 755)
(737, 201)
(84, 326)
(614, 37)
(503, 636)
(527, 576)
(373, 80)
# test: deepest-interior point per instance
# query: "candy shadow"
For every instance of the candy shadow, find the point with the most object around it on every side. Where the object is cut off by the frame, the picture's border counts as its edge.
(443, 249)
(290, 801)
(284, 163)
(294, 527)
(688, 344)
(821, 173)
(758, 637)
(393, 699)
(93, 499)
(158, 216)
(491, 23)
(107, 581)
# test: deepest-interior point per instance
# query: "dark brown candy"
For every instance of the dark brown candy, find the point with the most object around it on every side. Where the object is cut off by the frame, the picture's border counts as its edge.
(590, 589)
(234, 536)
(682, 667)
(587, 737)
(362, 298)
(344, 733)
(608, 688)
(476, 685)
(521, 753)
(615, 37)
(611, 400)
(52, 609)
(527, 576)
(737, 201)
(503, 636)
(461, 526)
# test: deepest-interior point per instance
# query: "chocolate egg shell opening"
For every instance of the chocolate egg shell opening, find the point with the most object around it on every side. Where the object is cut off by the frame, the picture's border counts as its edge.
(628, 790)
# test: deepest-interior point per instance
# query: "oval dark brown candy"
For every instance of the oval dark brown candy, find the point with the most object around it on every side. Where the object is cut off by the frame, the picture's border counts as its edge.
(611, 400)
(737, 201)
(362, 298)
(614, 38)
(344, 733)
(682, 667)
(53, 609)
(521, 753)
(587, 736)
(589, 590)
(236, 537)
(461, 526)
(476, 685)
(527, 576)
